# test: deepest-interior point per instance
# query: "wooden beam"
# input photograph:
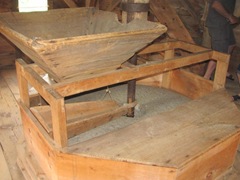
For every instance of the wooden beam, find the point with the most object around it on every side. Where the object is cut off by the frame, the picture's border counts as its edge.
(70, 3)
(168, 16)
(221, 69)
(87, 3)
(158, 47)
(22, 83)
(166, 77)
(189, 7)
(114, 5)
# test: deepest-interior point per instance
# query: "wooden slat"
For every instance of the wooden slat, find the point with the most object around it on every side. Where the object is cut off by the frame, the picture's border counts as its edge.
(189, 84)
(159, 47)
(28, 164)
(39, 147)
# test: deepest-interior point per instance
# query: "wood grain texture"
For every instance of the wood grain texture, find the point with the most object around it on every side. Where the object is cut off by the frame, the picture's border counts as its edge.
(97, 41)
(170, 145)
(168, 16)
(5, 174)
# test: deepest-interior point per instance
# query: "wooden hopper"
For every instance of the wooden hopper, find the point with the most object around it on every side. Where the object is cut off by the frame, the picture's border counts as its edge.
(70, 42)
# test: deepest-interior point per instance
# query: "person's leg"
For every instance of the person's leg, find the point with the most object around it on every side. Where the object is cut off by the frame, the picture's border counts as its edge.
(238, 74)
(210, 68)
(231, 48)
(220, 42)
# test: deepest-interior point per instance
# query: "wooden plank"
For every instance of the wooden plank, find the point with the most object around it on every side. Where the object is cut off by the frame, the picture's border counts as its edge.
(179, 136)
(59, 122)
(4, 171)
(28, 164)
(189, 84)
(44, 144)
(70, 3)
(168, 16)
(213, 164)
(10, 129)
(159, 47)
(10, 77)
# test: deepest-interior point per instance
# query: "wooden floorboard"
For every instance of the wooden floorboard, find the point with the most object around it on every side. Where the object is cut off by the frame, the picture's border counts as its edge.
(10, 123)
(4, 171)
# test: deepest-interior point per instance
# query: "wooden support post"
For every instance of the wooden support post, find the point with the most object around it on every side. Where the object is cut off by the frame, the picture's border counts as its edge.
(22, 83)
(131, 89)
(221, 69)
(27, 75)
(59, 123)
(87, 3)
(167, 75)
(165, 14)
(127, 17)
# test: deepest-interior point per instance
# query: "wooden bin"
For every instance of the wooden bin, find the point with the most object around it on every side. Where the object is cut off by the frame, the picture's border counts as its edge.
(70, 42)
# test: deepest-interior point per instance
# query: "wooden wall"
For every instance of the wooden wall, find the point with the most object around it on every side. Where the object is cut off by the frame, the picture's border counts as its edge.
(7, 51)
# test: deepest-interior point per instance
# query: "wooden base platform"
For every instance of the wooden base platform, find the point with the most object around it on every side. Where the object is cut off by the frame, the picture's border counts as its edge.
(197, 140)
(194, 141)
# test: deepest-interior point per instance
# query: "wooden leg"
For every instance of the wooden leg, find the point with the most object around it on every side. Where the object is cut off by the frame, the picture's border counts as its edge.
(131, 89)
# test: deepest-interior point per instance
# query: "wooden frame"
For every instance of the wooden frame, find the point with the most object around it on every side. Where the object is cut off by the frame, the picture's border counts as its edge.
(175, 78)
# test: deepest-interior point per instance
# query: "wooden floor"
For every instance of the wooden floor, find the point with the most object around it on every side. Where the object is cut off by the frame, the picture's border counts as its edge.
(11, 129)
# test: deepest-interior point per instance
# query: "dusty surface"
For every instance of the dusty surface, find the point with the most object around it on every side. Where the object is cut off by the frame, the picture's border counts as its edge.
(150, 100)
